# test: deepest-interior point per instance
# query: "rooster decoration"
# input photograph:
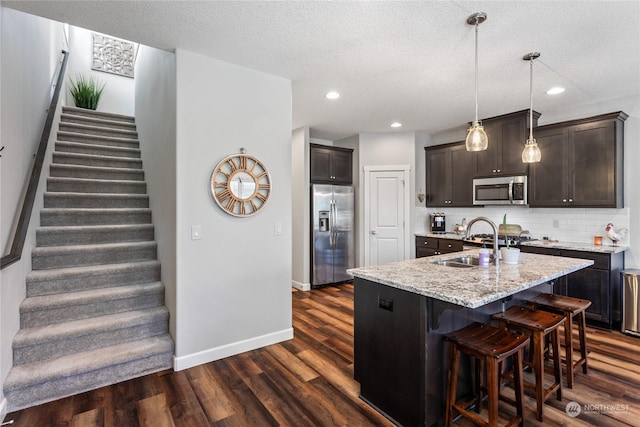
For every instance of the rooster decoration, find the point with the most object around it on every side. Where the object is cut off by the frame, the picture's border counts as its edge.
(615, 235)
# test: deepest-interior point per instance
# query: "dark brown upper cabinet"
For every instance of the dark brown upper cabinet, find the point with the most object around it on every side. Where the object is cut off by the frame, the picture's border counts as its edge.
(331, 165)
(581, 164)
(450, 172)
(507, 135)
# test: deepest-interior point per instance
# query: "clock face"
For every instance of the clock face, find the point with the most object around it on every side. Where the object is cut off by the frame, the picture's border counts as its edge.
(240, 185)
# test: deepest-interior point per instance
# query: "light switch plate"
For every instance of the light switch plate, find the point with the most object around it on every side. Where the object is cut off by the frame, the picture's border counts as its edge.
(277, 229)
(196, 232)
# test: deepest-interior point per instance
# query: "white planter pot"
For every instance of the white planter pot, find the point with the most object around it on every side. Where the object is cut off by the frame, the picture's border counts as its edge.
(510, 255)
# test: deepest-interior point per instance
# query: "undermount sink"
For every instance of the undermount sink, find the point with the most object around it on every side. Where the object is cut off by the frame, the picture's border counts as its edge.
(459, 262)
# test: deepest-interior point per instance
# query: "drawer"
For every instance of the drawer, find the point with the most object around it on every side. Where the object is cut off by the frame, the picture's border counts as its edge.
(426, 242)
(450, 245)
(600, 261)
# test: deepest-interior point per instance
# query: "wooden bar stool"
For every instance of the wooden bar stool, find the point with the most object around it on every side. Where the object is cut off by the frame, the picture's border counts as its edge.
(490, 346)
(571, 308)
(537, 324)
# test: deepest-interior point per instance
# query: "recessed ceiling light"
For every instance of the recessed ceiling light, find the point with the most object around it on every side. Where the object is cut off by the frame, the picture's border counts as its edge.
(555, 90)
(332, 95)
(396, 124)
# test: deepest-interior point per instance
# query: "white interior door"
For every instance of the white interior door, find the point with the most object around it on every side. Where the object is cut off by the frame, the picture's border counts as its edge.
(386, 219)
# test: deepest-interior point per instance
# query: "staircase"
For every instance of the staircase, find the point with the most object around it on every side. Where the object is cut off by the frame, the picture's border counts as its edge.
(94, 313)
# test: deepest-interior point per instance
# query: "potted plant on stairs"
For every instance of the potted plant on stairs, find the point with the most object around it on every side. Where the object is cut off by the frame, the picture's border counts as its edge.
(509, 255)
(86, 92)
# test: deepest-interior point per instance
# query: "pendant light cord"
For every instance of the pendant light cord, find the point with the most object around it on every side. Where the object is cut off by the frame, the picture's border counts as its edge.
(531, 98)
(476, 69)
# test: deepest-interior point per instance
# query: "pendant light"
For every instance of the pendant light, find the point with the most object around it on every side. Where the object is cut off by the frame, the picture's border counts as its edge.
(531, 152)
(476, 137)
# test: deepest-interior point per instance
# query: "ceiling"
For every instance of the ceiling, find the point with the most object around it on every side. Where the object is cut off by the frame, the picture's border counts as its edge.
(407, 61)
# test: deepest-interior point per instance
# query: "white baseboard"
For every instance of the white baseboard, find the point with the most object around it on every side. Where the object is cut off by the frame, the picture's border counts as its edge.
(301, 286)
(206, 356)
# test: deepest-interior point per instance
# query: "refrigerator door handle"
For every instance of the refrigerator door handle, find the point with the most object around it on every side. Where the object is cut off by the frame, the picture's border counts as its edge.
(332, 208)
(334, 229)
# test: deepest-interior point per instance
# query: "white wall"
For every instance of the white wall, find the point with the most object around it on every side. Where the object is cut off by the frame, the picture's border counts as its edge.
(234, 285)
(380, 149)
(300, 221)
(155, 101)
(576, 225)
(119, 93)
(30, 52)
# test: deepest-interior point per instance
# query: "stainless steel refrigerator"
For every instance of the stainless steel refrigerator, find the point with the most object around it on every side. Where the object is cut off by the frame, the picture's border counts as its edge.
(332, 223)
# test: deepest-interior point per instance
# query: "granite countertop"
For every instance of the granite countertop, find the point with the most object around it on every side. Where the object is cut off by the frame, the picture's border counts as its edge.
(470, 287)
(552, 244)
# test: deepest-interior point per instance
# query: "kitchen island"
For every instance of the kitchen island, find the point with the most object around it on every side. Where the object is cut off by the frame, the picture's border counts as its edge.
(401, 311)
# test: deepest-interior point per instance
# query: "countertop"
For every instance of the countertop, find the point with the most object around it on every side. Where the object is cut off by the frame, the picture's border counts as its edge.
(574, 246)
(470, 287)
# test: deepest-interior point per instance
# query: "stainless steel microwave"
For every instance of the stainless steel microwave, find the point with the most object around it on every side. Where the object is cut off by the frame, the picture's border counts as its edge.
(504, 190)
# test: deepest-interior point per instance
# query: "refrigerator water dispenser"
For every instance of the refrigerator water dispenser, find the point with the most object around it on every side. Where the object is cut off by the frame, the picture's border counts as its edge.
(323, 218)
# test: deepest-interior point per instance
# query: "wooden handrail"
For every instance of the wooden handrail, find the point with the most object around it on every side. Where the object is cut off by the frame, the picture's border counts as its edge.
(30, 196)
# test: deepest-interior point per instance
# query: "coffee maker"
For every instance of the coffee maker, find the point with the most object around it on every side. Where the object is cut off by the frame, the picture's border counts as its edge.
(438, 223)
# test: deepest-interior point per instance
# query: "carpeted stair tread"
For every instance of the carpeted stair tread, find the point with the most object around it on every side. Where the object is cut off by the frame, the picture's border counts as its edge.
(72, 279)
(95, 172)
(82, 235)
(87, 185)
(56, 340)
(112, 141)
(82, 216)
(44, 334)
(93, 113)
(97, 150)
(52, 257)
(61, 199)
(36, 373)
(68, 117)
(93, 160)
(69, 299)
(97, 130)
(40, 382)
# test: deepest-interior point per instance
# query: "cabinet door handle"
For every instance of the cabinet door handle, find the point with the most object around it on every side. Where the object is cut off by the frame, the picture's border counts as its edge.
(499, 170)
(570, 200)
(564, 200)
(494, 171)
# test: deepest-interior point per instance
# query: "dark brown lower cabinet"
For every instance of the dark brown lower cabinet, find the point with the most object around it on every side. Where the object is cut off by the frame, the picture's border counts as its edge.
(599, 284)
(429, 246)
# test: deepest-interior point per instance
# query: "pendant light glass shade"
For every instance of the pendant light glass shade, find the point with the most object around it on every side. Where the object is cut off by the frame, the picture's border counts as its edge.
(531, 152)
(477, 139)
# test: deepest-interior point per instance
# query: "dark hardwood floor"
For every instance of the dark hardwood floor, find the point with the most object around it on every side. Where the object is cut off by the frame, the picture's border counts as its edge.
(308, 381)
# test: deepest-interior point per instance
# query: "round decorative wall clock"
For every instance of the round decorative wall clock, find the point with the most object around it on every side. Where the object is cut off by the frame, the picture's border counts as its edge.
(240, 185)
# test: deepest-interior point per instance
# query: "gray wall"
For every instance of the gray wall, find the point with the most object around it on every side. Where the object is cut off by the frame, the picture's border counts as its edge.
(234, 285)
(155, 101)
(30, 51)
(300, 221)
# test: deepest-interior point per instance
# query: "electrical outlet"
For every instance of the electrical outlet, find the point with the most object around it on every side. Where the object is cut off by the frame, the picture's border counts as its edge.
(196, 232)
(556, 223)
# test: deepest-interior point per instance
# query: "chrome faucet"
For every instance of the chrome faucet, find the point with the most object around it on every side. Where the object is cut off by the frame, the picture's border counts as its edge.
(496, 255)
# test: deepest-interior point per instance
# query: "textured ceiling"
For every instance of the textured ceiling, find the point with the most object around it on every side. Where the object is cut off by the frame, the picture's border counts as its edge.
(410, 61)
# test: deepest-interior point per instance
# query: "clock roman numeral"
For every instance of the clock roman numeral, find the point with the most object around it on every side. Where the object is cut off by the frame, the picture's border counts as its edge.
(223, 195)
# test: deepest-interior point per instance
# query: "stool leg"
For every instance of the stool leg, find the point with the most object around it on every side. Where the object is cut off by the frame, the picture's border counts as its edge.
(493, 383)
(582, 325)
(557, 369)
(479, 363)
(452, 383)
(568, 338)
(538, 367)
(518, 385)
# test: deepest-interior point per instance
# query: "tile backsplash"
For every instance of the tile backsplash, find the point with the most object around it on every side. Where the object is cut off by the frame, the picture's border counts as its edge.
(569, 225)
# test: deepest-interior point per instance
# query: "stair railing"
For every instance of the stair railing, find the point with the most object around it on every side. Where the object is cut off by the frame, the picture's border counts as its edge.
(20, 234)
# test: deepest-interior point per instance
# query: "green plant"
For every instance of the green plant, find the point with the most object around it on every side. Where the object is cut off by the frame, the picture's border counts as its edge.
(504, 229)
(86, 92)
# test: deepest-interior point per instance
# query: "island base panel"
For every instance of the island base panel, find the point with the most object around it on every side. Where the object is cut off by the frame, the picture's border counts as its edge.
(399, 350)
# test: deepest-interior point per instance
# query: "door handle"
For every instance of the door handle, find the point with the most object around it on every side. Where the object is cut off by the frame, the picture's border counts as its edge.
(373, 232)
